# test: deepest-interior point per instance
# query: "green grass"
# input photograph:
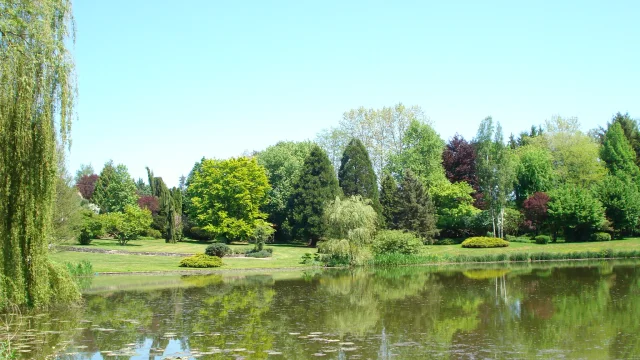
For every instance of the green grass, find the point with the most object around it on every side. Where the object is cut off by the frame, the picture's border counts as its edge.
(454, 250)
(148, 245)
(284, 256)
(288, 256)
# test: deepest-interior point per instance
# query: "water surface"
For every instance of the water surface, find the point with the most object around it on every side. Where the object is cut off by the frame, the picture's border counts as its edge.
(555, 310)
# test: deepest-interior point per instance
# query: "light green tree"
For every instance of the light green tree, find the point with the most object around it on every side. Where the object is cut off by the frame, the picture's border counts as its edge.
(127, 225)
(495, 170)
(37, 93)
(351, 226)
(575, 155)
(115, 189)
(226, 197)
(621, 200)
(575, 212)
(534, 171)
(421, 153)
(618, 155)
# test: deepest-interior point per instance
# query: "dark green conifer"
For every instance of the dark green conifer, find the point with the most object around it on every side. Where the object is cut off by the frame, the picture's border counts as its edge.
(389, 201)
(316, 185)
(416, 212)
(356, 175)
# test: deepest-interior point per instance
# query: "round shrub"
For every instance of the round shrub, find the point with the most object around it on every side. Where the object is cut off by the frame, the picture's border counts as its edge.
(600, 236)
(201, 261)
(396, 241)
(153, 233)
(542, 239)
(85, 237)
(445, 242)
(484, 242)
(218, 249)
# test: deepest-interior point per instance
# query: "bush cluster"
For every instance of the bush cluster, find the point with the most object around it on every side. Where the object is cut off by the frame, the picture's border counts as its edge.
(542, 239)
(396, 241)
(600, 236)
(153, 233)
(445, 242)
(484, 242)
(259, 254)
(201, 261)
(218, 249)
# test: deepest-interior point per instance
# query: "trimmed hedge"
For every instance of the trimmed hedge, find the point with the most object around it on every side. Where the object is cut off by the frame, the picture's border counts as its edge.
(201, 261)
(484, 242)
(600, 236)
(542, 239)
(218, 249)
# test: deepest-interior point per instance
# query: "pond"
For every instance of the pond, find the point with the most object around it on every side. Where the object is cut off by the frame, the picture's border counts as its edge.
(552, 310)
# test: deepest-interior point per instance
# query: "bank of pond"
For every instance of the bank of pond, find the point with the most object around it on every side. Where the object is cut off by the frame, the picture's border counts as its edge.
(583, 309)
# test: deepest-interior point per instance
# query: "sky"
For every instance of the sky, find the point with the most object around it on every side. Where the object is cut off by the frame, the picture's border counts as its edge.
(164, 83)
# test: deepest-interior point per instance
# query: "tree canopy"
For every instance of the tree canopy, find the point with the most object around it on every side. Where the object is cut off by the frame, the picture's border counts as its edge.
(226, 197)
(115, 189)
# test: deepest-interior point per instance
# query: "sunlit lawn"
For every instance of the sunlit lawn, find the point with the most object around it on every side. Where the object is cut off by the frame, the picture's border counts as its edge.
(627, 244)
(284, 256)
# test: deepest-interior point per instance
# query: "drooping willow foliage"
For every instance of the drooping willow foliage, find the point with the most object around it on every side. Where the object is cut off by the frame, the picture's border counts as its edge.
(37, 91)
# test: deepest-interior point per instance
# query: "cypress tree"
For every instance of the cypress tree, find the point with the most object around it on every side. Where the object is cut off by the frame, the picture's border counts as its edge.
(389, 201)
(618, 154)
(356, 175)
(416, 212)
(312, 190)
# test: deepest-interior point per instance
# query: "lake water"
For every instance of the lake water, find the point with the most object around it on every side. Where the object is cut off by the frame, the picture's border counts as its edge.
(552, 310)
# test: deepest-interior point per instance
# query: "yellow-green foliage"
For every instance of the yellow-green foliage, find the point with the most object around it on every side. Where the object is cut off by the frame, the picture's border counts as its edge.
(396, 241)
(484, 242)
(201, 261)
(225, 197)
(37, 90)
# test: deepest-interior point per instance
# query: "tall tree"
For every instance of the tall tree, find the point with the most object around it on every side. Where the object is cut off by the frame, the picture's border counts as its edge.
(283, 162)
(416, 212)
(312, 190)
(115, 189)
(618, 155)
(576, 156)
(459, 162)
(84, 170)
(421, 153)
(389, 201)
(495, 171)
(630, 128)
(574, 211)
(621, 200)
(534, 171)
(380, 130)
(356, 176)
(37, 90)
(86, 185)
(227, 197)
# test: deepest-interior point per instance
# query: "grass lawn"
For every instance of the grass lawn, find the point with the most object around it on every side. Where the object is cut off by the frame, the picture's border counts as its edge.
(284, 256)
(627, 244)
(148, 245)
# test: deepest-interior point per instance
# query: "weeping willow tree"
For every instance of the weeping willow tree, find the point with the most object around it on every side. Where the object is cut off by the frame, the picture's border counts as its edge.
(37, 91)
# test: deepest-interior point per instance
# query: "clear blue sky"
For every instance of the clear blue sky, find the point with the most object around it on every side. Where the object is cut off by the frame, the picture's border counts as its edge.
(163, 83)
